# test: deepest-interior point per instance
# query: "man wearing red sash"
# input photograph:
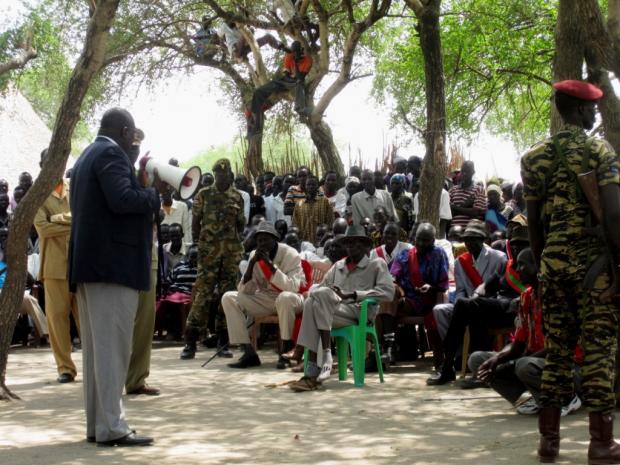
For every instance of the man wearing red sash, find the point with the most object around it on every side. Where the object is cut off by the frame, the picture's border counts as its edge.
(270, 285)
(421, 274)
(518, 367)
(392, 246)
(476, 266)
(489, 306)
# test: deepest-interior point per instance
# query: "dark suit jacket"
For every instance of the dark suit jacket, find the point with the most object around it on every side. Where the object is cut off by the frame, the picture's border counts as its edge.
(112, 224)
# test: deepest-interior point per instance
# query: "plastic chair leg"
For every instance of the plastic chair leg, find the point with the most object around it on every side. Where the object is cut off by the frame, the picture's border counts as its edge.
(306, 353)
(378, 355)
(358, 349)
(342, 351)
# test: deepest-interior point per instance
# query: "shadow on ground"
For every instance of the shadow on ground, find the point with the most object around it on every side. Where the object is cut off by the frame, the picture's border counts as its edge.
(216, 415)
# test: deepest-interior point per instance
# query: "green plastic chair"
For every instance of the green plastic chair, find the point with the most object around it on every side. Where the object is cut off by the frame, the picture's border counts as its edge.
(354, 336)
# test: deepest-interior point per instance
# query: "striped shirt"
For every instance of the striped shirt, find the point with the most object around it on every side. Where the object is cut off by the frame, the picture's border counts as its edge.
(459, 195)
(308, 215)
(183, 277)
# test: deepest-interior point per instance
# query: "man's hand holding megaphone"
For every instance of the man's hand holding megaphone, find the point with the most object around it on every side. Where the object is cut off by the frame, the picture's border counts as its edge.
(145, 179)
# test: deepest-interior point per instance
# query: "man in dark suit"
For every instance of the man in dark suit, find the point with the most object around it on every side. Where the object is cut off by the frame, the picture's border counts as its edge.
(109, 263)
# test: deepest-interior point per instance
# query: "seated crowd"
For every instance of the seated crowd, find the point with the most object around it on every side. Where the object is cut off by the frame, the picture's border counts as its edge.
(307, 252)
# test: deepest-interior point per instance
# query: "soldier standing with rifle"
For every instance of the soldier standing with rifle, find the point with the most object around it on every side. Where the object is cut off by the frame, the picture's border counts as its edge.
(576, 300)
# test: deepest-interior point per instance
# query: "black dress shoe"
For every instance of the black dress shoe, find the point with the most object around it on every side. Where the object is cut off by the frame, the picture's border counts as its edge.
(127, 441)
(246, 361)
(91, 439)
(65, 378)
(283, 363)
(443, 377)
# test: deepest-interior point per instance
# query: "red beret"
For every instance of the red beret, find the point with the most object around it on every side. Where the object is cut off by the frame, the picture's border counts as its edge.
(579, 89)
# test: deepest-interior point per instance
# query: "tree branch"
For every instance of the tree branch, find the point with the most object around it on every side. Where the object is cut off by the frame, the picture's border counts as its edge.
(416, 6)
(375, 14)
(408, 122)
(524, 73)
(19, 61)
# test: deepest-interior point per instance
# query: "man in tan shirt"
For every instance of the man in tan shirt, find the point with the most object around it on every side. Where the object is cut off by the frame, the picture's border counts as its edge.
(53, 224)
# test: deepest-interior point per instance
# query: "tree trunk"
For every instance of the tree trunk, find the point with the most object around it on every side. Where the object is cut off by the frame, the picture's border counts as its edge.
(88, 65)
(569, 50)
(600, 57)
(323, 139)
(434, 167)
(254, 159)
(608, 106)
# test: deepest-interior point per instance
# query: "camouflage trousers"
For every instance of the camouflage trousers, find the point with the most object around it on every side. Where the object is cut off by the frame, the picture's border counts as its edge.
(572, 315)
(216, 274)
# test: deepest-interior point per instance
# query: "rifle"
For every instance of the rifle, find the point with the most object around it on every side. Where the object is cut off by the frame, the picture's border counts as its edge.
(608, 260)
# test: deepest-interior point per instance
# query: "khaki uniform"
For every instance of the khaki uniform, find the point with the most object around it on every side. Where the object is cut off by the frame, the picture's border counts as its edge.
(267, 295)
(144, 327)
(53, 224)
(572, 313)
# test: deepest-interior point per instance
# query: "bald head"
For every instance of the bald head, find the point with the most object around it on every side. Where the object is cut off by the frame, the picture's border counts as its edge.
(426, 230)
(118, 125)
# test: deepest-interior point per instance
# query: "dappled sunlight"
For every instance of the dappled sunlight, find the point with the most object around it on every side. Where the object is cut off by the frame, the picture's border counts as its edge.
(216, 415)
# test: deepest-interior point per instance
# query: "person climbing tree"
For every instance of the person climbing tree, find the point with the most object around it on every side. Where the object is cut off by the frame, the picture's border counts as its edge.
(296, 66)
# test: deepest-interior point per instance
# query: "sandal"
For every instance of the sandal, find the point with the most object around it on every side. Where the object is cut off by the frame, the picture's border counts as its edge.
(305, 384)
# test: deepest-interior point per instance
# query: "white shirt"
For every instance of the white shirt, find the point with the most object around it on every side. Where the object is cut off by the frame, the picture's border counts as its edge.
(286, 8)
(340, 202)
(231, 37)
(364, 205)
(446, 245)
(400, 246)
(445, 213)
(179, 213)
(246, 205)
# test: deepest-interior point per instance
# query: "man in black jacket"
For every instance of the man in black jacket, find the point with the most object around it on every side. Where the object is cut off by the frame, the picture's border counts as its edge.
(109, 263)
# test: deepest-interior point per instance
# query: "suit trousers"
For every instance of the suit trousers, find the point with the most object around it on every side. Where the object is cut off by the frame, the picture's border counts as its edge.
(323, 311)
(107, 314)
(60, 304)
(31, 307)
(443, 315)
(144, 327)
(237, 306)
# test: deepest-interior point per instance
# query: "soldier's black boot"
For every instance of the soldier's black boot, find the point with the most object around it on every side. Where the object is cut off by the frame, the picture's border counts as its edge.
(603, 449)
(549, 428)
(223, 350)
(189, 351)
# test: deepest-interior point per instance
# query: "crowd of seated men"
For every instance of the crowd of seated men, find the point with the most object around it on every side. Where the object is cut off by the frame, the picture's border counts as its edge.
(314, 250)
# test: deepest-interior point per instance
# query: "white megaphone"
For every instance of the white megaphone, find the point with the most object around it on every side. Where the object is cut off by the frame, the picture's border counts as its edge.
(185, 182)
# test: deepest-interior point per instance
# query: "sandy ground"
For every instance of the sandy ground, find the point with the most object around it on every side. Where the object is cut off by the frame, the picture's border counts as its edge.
(216, 415)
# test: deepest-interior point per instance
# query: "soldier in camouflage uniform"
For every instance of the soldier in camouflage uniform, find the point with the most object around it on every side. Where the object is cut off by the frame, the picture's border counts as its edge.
(217, 226)
(559, 217)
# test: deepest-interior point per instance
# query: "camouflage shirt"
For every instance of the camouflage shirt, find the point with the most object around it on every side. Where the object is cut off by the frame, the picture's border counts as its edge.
(550, 178)
(221, 218)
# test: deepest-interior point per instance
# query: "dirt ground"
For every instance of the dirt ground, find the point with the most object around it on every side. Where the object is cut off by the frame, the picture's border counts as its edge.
(216, 415)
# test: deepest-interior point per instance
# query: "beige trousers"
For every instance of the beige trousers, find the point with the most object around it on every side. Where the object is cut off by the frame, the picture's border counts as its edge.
(60, 304)
(324, 310)
(238, 306)
(31, 307)
(144, 327)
